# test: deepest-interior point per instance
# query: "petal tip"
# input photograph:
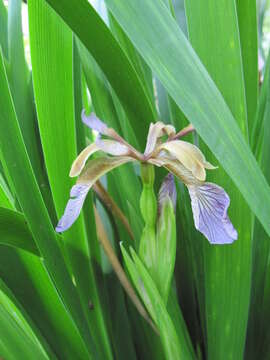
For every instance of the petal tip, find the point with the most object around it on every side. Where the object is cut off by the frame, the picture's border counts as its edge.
(72, 211)
(94, 122)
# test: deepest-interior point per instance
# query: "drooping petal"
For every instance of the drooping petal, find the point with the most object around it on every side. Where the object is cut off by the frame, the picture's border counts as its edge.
(94, 123)
(78, 194)
(111, 147)
(209, 206)
(190, 156)
(94, 169)
(90, 174)
(79, 162)
(155, 131)
(176, 168)
(167, 191)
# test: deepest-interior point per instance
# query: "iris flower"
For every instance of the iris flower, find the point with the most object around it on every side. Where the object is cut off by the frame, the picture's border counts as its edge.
(209, 201)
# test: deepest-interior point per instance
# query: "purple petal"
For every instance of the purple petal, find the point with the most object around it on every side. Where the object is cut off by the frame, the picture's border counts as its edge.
(72, 211)
(209, 206)
(167, 190)
(94, 123)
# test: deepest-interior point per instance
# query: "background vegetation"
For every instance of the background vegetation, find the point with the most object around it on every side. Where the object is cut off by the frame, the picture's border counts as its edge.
(132, 63)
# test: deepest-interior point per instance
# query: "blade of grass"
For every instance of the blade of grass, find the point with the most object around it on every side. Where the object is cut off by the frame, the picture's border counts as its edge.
(227, 270)
(15, 232)
(20, 83)
(257, 132)
(34, 340)
(97, 38)
(174, 344)
(143, 71)
(6, 199)
(3, 29)
(14, 152)
(15, 343)
(247, 23)
(52, 56)
(258, 331)
(27, 278)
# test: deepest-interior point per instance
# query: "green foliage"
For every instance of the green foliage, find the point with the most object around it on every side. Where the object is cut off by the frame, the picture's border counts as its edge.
(193, 61)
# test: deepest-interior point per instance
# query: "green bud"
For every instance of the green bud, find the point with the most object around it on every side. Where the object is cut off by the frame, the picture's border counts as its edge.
(165, 248)
(148, 206)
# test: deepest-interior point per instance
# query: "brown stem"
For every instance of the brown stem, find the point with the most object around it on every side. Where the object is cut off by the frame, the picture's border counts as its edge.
(109, 251)
(188, 129)
(111, 205)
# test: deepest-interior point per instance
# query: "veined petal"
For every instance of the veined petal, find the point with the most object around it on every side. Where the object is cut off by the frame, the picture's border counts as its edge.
(72, 211)
(176, 168)
(94, 169)
(190, 156)
(111, 147)
(155, 131)
(167, 191)
(209, 206)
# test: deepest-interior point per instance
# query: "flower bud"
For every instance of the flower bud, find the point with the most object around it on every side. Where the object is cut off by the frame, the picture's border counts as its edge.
(166, 237)
(148, 206)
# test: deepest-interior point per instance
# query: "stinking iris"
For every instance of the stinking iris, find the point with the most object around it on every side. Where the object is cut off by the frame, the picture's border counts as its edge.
(209, 201)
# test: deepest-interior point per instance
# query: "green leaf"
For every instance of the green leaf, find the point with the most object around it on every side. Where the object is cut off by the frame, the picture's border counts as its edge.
(143, 71)
(113, 61)
(17, 338)
(225, 265)
(3, 29)
(247, 23)
(28, 279)
(20, 83)
(6, 199)
(257, 131)
(174, 344)
(15, 232)
(19, 167)
(258, 331)
(52, 63)
(123, 345)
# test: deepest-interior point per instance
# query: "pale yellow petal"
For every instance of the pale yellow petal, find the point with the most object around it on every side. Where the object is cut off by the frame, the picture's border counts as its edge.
(156, 131)
(96, 168)
(190, 156)
(176, 168)
(80, 161)
(209, 166)
(111, 147)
